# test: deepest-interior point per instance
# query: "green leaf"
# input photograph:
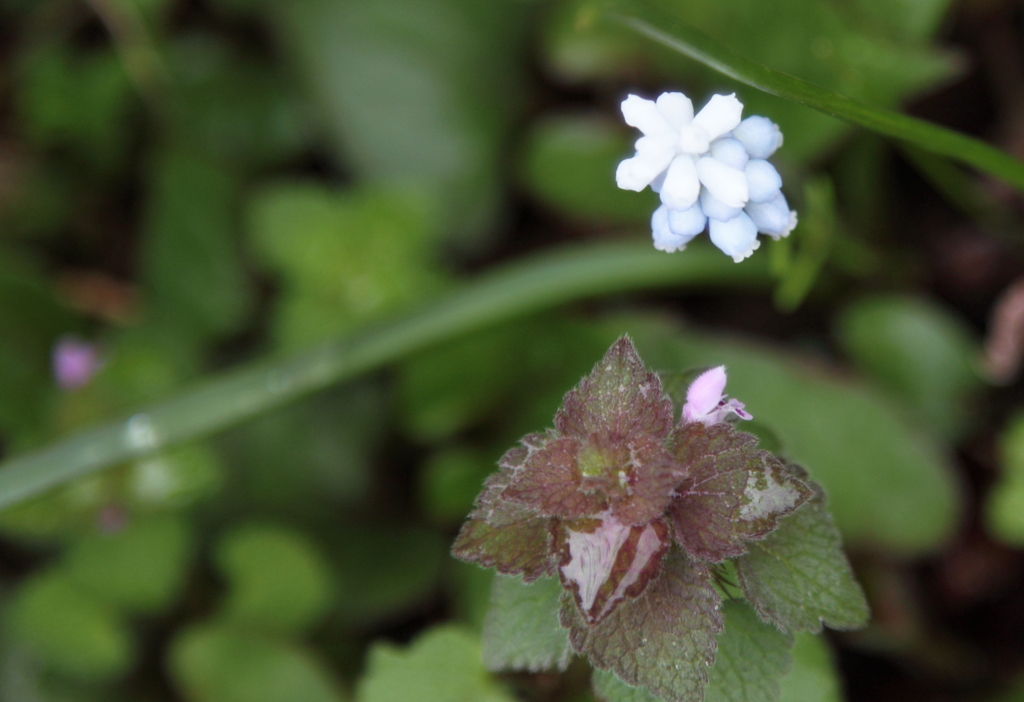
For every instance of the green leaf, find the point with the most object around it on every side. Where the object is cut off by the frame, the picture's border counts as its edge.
(919, 351)
(650, 19)
(569, 164)
(752, 658)
(798, 577)
(67, 629)
(141, 568)
(663, 639)
(521, 631)
(416, 92)
(894, 491)
(214, 663)
(346, 258)
(190, 256)
(442, 665)
(608, 688)
(1004, 511)
(913, 20)
(278, 581)
(814, 677)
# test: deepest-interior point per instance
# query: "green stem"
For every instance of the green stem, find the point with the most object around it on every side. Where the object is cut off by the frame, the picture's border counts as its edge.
(646, 20)
(534, 284)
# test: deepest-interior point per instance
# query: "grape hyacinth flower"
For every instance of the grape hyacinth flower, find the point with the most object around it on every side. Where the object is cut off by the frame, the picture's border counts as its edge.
(74, 362)
(711, 171)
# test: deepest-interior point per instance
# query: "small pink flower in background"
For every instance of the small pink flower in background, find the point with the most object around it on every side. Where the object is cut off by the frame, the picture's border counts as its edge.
(705, 400)
(75, 362)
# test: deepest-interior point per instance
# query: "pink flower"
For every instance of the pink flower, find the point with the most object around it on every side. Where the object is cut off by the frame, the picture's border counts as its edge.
(706, 400)
(75, 362)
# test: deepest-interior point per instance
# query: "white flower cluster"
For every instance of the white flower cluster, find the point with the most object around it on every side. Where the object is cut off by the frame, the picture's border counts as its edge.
(710, 170)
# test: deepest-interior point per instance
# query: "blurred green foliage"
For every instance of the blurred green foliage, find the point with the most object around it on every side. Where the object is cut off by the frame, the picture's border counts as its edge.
(191, 186)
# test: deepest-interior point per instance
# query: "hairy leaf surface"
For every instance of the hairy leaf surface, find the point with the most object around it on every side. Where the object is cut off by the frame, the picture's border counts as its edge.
(752, 658)
(664, 639)
(521, 631)
(620, 398)
(734, 493)
(798, 577)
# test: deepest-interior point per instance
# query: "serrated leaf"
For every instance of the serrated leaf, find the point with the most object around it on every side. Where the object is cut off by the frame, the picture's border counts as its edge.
(503, 534)
(799, 578)
(551, 482)
(522, 631)
(620, 398)
(734, 493)
(608, 688)
(663, 639)
(442, 665)
(752, 658)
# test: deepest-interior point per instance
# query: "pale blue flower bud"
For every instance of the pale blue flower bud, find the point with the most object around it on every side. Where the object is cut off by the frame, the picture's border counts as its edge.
(763, 181)
(730, 152)
(773, 217)
(715, 208)
(759, 135)
(664, 238)
(736, 238)
(687, 223)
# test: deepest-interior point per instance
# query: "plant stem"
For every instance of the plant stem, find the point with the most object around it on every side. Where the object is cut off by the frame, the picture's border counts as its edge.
(521, 288)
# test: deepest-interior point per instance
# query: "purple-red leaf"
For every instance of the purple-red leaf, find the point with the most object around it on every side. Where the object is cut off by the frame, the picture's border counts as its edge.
(606, 561)
(551, 482)
(734, 492)
(619, 399)
(663, 639)
(506, 535)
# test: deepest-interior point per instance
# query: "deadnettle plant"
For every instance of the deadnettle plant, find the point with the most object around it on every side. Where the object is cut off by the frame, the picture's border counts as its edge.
(634, 512)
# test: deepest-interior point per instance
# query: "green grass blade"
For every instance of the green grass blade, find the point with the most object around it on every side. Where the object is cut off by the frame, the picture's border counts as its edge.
(537, 283)
(660, 25)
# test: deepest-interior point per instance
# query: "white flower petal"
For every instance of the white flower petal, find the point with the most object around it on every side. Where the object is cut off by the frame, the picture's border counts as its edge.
(721, 114)
(736, 238)
(727, 184)
(637, 173)
(687, 223)
(676, 108)
(715, 208)
(644, 115)
(664, 142)
(681, 186)
(763, 181)
(730, 152)
(773, 218)
(760, 135)
(664, 238)
(694, 140)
